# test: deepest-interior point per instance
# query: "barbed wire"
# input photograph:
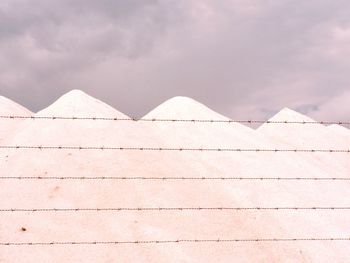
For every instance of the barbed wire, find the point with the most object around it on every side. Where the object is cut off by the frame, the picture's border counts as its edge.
(40, 147)
(157, 209)
(12, 117)
(173, 178)
(218, 240)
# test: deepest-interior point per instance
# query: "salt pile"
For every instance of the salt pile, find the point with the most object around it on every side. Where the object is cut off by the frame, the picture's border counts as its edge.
(308, 136)
(173, 224)
(10, 108)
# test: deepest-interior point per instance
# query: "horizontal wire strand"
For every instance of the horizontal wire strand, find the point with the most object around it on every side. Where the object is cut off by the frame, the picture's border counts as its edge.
(39, 147)
(218, 240)
(174, 178)
(12, 117)
(150, 209)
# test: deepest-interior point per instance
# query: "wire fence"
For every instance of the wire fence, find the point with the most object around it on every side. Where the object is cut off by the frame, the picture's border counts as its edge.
(175, 178)
(176, 209)
(158, 209)
(117, 148)
(140, 242)
(14, 117)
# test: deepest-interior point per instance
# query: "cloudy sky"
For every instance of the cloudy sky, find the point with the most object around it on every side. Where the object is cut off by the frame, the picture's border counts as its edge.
(243, 58)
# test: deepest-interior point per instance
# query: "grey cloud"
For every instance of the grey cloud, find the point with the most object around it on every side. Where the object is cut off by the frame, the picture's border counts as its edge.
(46, 43)
(243, 58)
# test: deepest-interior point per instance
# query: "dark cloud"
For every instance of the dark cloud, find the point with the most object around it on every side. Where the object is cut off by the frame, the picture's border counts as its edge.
(244, 58)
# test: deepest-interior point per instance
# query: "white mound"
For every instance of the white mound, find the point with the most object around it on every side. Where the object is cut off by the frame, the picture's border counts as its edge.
(214, 134)
(79, 132)
(9, 126)
(133, 225)
(76, 103)
(289, 115)
(9, 107)
(298, 134)
(184, 108)
(307, 136)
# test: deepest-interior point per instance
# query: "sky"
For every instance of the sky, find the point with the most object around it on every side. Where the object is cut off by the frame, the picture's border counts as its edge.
(242, 58)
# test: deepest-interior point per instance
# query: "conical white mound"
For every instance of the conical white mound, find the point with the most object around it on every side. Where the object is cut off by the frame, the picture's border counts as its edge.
(79, 132)
(184, 108)
(76, 103)
(9, 107)
(287, 114)
(293, 132)
(9, 126)
(306, 136)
